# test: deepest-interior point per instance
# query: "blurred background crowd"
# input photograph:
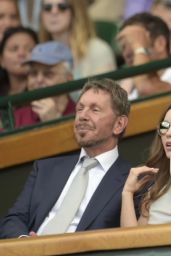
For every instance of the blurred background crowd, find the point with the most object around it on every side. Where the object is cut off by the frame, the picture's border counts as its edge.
(49, 42)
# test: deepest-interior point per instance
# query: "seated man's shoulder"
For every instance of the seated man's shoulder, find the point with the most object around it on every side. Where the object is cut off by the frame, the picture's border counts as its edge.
(57, 160)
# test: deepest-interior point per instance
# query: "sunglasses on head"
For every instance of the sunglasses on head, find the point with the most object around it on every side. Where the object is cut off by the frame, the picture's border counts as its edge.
(61, 6)
(163, 127)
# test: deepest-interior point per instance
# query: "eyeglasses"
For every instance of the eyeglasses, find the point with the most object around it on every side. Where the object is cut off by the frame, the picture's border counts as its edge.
(61, 6)
(163, 127)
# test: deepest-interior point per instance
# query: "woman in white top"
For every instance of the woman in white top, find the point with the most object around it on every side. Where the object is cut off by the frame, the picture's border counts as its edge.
(156, 206)
(68, 21)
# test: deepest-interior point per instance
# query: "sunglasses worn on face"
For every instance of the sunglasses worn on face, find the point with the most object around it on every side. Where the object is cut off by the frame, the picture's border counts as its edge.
(164, 127)
(61, 6)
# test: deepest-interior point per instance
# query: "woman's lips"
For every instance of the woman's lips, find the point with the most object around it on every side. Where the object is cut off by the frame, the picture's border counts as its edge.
(168, 146)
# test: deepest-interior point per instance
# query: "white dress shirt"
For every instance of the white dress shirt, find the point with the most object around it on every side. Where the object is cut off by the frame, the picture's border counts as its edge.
(96, 174)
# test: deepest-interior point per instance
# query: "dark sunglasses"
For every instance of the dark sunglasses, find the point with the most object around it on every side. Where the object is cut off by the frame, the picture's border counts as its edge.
(163, 127)
(61, 6)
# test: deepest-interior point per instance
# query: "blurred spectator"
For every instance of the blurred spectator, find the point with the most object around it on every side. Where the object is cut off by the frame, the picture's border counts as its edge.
(89, 2)
(162, 8)
(14, 49)
(110, 10)
(29, 12)
(133, 7)
(68, 22)
(9, 15)
(144, 38)
(50, 64)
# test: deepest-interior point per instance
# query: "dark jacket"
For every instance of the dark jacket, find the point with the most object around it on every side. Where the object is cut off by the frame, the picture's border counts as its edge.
(44, 187)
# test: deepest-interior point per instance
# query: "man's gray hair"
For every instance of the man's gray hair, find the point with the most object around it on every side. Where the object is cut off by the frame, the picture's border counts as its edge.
(119, 97)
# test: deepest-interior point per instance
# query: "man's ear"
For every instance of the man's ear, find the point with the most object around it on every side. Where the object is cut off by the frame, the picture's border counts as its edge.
(160, 44)
(120, 124)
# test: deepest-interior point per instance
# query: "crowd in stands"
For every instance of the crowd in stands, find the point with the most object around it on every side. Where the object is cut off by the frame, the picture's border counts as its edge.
(50, 42)
(72, 24)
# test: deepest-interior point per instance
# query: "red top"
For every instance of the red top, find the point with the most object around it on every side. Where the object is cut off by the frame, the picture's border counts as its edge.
(24, 116)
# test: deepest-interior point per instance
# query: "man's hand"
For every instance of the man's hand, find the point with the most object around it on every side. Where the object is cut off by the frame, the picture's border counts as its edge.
(32, 233)
(135, 36)
(45, 109)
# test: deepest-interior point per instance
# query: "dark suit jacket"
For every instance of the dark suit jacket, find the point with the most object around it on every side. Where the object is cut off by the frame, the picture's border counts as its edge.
(44, 187)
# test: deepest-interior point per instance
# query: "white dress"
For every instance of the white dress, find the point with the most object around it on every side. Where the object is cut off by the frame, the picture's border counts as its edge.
(160, 210)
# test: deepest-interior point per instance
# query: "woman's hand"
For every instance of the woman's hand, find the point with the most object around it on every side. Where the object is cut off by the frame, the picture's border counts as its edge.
(134, 181)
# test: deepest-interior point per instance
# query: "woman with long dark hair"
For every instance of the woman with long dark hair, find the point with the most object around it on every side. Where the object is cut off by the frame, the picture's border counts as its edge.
(15, 47)
(155, 207)
(16, 44)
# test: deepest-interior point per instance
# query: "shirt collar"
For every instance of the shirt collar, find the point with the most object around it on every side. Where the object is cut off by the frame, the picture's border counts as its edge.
(105, 159)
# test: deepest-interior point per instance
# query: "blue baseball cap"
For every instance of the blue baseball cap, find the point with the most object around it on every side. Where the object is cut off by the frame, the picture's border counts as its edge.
(50, 53)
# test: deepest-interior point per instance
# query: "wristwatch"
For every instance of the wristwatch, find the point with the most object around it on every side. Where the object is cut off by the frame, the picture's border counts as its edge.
(142, 50)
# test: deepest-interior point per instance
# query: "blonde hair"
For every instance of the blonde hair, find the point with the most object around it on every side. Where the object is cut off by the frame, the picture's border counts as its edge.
(81, 29)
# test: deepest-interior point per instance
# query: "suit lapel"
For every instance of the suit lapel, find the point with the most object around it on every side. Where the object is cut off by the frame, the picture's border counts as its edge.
(109, 187)
(55, 183)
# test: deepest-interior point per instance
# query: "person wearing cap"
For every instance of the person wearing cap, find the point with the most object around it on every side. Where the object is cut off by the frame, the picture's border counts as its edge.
(50, 63)
(144, 38)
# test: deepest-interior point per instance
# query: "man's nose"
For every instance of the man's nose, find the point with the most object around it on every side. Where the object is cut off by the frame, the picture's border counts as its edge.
(84, 114)
(40, 79)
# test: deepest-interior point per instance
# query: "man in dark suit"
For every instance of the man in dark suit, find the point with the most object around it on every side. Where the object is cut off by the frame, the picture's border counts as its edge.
(101, 118)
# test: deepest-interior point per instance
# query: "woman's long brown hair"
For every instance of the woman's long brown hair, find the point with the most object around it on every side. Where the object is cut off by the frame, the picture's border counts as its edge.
(158, 159)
